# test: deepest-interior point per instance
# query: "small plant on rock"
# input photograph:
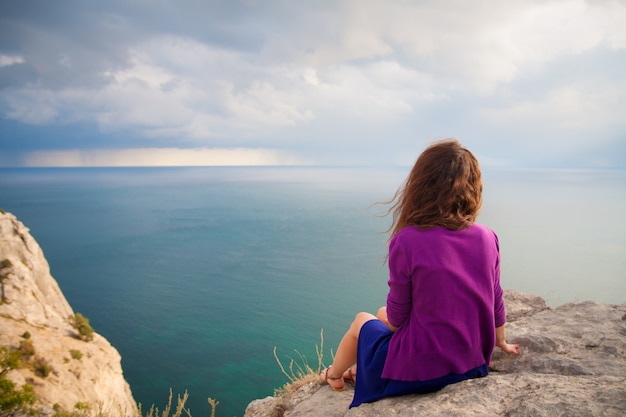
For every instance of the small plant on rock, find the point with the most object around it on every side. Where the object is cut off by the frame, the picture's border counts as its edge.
(41, 367)
(76, 354)
(81, 324)
(81, 409)
(9, 359)
(3, 264)
(26, 349)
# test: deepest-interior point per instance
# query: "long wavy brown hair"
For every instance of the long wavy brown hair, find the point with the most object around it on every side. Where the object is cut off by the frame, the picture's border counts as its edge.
(443, 189)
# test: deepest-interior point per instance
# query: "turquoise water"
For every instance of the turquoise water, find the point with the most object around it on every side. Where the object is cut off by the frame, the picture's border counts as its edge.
(196, 274)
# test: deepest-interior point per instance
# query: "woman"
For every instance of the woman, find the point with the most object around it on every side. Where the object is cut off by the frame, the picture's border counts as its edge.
(445, 310)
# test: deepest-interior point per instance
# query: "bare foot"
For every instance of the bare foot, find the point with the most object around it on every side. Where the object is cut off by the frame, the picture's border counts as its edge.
(336, 383)
(350, 375)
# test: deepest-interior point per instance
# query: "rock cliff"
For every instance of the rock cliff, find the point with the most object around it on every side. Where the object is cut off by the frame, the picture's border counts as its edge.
(572, 363)
(76, 374)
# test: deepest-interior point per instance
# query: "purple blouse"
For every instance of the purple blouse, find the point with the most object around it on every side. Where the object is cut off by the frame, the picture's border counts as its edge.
(446, 300)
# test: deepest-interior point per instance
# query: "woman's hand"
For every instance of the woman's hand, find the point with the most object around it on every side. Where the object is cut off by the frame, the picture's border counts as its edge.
(502, 344)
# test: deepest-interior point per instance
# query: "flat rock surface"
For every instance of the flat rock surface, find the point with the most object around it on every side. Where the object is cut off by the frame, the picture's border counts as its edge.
(572, 363)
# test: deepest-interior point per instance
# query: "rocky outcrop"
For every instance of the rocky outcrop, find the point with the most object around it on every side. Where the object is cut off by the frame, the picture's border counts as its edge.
(572, 363)
(83, 375)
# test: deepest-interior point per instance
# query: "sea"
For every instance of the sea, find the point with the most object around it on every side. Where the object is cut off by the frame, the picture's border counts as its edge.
(202, 277)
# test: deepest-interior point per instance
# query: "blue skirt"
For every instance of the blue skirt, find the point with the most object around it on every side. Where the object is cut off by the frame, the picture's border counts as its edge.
(370, 360)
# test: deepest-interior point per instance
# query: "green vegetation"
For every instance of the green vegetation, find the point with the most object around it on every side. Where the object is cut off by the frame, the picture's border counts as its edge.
(23, 398)
(41, 367)
(9, 359)
(26, 349)
(26, 335)
(76, 354)
(81, 406)
(298, 372)
(11, 398)
(81, 409)
(81, 324)
(3, 264)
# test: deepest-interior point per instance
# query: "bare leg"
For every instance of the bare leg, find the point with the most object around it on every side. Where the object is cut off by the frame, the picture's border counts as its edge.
(350, 373)
(346, 351)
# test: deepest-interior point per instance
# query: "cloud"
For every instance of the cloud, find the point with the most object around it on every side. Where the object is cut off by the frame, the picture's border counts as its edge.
(149, 97)
(8, 60)
(568, 108)
(345, 78)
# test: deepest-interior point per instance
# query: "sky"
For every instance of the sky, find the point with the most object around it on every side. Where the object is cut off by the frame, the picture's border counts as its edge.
(521, 83)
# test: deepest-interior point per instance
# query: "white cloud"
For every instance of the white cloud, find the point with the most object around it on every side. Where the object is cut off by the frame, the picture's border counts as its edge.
(475, 46)
(8, 60)
(142, 73)
(33, 106)
(578, 109)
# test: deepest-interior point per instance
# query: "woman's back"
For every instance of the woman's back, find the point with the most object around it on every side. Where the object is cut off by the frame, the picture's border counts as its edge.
(445, 299)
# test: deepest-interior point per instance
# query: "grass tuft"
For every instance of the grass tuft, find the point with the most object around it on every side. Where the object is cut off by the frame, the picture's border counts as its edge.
(299, 372)
(213, 403)
(180, 407)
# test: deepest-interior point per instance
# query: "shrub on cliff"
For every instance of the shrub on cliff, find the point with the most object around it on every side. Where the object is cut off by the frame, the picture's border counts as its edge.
(15, 399)
(41, 367)
(11, 398)
(76, 354)
(3, 264)
(26, 349)
(9, 359)
(81, 324)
